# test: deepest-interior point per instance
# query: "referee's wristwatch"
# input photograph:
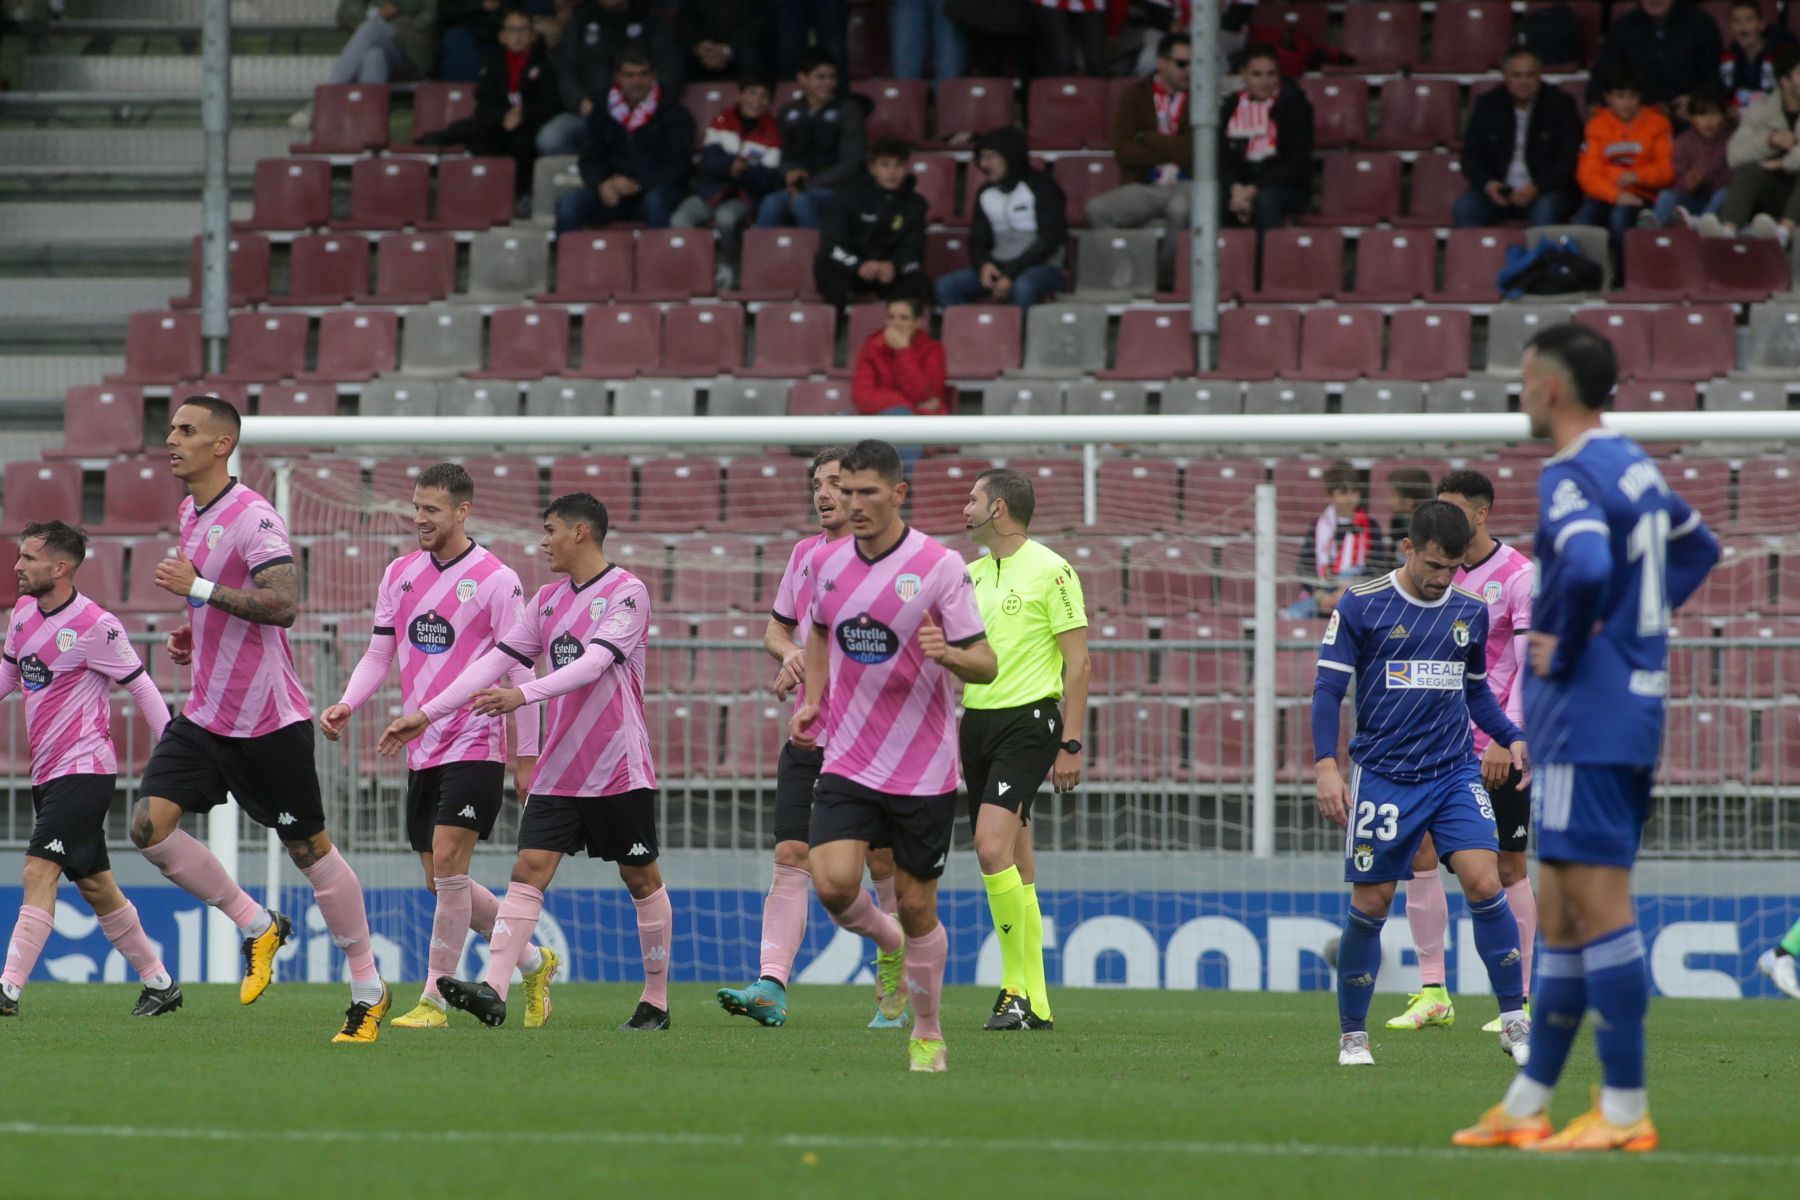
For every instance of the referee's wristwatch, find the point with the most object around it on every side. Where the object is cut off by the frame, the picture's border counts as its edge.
(1072, 746)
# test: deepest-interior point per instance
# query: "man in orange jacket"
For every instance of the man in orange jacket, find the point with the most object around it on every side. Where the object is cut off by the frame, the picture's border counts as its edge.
(1628, 156)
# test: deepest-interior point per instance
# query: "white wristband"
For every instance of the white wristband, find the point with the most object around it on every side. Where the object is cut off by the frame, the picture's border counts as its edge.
(201, 589)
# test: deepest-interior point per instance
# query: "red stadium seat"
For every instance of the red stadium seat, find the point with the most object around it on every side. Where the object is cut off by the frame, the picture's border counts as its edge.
(99, 421)
(946, 250)
(706, 101)
(981, 340)
(143, 595)
(141, 496)
(414, 268)
(1100, 564)
(102, 577)
(1437, 181)
(1058, 484)
(684, 736)
(1082, 177)
(767, 493)
(679, 494)
(1629, 331)
(291, 193)
(1768, 496)
(1299, 493)
(1153, 344)
(716, 574)
(266, 347)
(619, 341)
(249, 271)
(1655, 397)
(1066, 113)
(819, 398)
(387, 193)
(1393, 266)
(1757, 670)
(1237, 267)
(1661, 265)
(327, 496)
(526, 343)
(42, 491)
(1417, 114)
(1301, 265)
(940, 488)
(1257, 343)
(673, 264)
(297, 400)
(1206, 671)
(355, 346)
(1340, 110)
(703, 339)
(1339, 344)
(743, 670)
(1706, 743)
(1693, 343)
(592, 264)
(607, 479)
(967, 108)
(342, 573)
(1118, 670)
(506, 491)
(899, 108)
(347, 118)
(1219, 741)
(1169, 578)
(1358, 189)
(934, 178)
(777, 265)
(1380, 37)
(1470, 36)
(473, 194)
(1218, 492)
(1137, 495)
(161, 347)
(326, 269)
(1740, 270)
(1472, 262)
(1138, 739)
(1305, 18)
(865, 320)
(1740, 584)
(1428, 344)
(436, 106)
(755, 727)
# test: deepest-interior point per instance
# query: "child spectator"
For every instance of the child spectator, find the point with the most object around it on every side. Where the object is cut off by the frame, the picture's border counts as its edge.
(1747, 67)
(1342, 544)
(740, 163)
(1701, 172)
(873, 241)
(900, 369)
(1628, 158)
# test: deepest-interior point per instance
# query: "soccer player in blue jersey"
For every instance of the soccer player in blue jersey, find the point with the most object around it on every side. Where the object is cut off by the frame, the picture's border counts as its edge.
(1417, 647)
(1617, 551)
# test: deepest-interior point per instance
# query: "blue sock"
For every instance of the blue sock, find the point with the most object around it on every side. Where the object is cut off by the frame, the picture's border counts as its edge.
(1359, 961)
(1497, 941)
(1618, 990)
(1557, 1008)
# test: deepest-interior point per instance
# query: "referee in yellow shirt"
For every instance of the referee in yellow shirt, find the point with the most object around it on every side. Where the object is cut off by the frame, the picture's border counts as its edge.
(1013, 733)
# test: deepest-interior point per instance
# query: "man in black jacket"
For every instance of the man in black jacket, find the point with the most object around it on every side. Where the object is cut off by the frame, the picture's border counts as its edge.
(514, 95)
(1673, 48)
(587, 56)
(722, 39)
(1266, 145)
(1520, 149)
(1019, 229)
(873, 240)
(640, 150)
(821, 146)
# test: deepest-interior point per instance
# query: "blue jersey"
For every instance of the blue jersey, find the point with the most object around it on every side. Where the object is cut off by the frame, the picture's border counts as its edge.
(1421, 673)
(1617, 552)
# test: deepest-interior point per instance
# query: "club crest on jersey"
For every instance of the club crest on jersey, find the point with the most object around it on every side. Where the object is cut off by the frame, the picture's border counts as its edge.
(1459, 632)
(465, 590)
(1012, 604)
(596, 607)
(907, 586)
(867, 641)
(65, 640)
(1492, 590)
(213, 535)
(1364, 857)
(431, 634)
(34, 675)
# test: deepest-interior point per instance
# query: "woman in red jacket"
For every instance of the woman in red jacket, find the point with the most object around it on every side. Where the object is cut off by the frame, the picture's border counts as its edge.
(901, 369)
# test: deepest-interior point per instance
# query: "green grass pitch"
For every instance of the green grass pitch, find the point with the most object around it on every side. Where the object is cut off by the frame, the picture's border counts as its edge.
(1135, 1094)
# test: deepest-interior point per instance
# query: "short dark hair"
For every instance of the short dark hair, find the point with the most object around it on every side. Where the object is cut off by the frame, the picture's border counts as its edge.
(1585, 355)
(873, 454)
(633, 55)
(761, 79)
(1340, 475)
(890, 147)
(1755, 5)
(580, 508)
(1014, 487)
(1785, 60)
(826, 454)
(1521, 51)
(1621, 78)
(1165, 45)
(451, 478)
(912, 299)
(812, 60)
(1256, 50)
(60, 538)
(1468, 483)
(1439, 523)
(1705, 100)
(219, 407)
(1411, 483)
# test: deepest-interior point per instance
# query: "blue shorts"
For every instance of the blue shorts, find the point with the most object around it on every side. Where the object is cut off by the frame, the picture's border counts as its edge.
(1388, 820)
(1590, 813)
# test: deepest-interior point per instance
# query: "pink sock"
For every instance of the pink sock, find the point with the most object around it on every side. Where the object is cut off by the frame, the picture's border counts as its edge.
(1524, 906)
(484, 910)
(186, 862)
(340, 898)
(126, 933)
(28, 939)
(925, 980)
(884, 896)
(784, 922)
(863, 917)
(513, 927)
(1429, 915)
(449, 926)
(656, 930)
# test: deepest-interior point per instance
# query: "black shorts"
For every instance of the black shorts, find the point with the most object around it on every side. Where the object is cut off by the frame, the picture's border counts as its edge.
(917, 827)
(71, 823)
(1512, 814)
(272, 777)
(796, 772)
(619, 828)
(1007, 754)
(464, 794)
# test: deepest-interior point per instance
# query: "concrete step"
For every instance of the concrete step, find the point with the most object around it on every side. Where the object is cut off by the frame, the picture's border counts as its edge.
(167, 15)
(273, 75)
(133, 151)
(104, 223)
(88, 298)
(45, 377)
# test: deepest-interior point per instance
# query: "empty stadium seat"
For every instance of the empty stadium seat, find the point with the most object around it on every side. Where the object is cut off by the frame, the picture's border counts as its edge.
(507, 490)
(248, 254)
(1339, 344)
(505, 264)
(742, 670)
(1646, 396)
(768, 493)
(654, 398)
(290, 194)
(1393, 266)
(266, 347)
(387, 193)
(347, 118)
(746, 398)
(1202, 399)
(777, 265)
(899, 108)
(1066, 113)
(1082, 177)
(1301, 265)
(1661, 265)
(1115, 264)
(1740, 583)
(1022, 398)
(1466, 396)
(1428, 343)
(1473, 259)
(678, 493)
(436, 106)
(1237, 266)
(141, 496)
(1280, 397)
(619, 341)
(1169, 578)
(565, 398)
(819, 398)
(1417, 114)
(703, 339)
(298, 400)
(1207, 669)
(980, 340)
(1218, 494)
(1153, 344)
(607, 478)
(326, 497)
(99, 421)
(473, 193)
(684, 735)
(354, 346)
(1106, 399)
(1740, 270)
(42, 491)
(1768, 496)
(1116, 669)
(478, 398)
(1469, 36)
(416, 398)
(1257, 343)
(1437, 181)
(674, 264)
(940, 488)
(414, 268)
(946, 250)
(1356, 189)
(1511, 326)
(1137, 495)
(592, 265)
(440, 341)
(342, 573)
(1340, 111)
(1382, 395)
(706, 101)
(1746, 395)
(1629, 331)
(969, 107)
(1759, 671)
(934, 178)
(1100, 564)
(1380, 37)
(865, 320)
(326, 269)
(526, 343)
(161, 347)
(1695, 342)
(1065, 339)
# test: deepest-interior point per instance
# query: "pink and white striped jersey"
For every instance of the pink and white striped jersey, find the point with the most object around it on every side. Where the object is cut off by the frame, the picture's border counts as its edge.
(442, 617)
(66, 661)
(1504, 580)
(245, 684)
(793, 601)
(891, 713)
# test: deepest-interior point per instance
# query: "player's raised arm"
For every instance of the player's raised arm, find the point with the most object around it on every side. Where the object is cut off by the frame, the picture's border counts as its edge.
(1693, 551)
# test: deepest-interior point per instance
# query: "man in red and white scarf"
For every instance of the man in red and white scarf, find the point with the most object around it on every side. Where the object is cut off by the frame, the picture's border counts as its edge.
(1153, 141)
(1266, 157)
(639, 154)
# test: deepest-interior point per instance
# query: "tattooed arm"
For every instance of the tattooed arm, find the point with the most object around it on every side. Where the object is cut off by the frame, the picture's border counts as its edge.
(275, 600)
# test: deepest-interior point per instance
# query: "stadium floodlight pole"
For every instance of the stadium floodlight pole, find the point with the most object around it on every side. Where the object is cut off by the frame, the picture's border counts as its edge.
(1262, 678)
(1203, 210)
(215, 199)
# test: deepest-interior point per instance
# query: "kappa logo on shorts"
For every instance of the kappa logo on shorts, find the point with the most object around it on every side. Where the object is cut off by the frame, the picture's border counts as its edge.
(285, 819)
(56, 847)
(1004, 788)
(468, 811)
(1519, 832)
(638, 850)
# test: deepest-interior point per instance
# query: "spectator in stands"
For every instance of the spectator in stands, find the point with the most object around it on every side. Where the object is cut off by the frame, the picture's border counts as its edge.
(1672, 48)
(1152, 141)
(1017, 235)
(1629, 157)
(1764, 156)
(1702, 173)
(1266, 153)
(873, 239)
(388, 40)
(1408, 487)
(587, 56)
(740, 162)
(640, 149)
(514, 96)
(1519, 150)
(468, 28)
(721, 39)
(1342, 547)
(821, 146)
(828, 23)
(1747, 67)
(900, 368)
(918, 26)
(1071, 36)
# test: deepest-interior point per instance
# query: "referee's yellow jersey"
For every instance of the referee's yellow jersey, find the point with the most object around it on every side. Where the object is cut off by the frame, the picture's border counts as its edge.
(1026, 599)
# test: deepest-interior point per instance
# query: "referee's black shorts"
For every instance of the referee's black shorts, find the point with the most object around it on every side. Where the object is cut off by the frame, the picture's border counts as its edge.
(1007, 753)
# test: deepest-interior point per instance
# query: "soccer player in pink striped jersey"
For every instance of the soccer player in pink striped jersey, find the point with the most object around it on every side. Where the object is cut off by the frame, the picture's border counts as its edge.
(894, 623)
(65, 652)
(246, 728)
(1502, 576)
(595, 787)
(438, 610)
